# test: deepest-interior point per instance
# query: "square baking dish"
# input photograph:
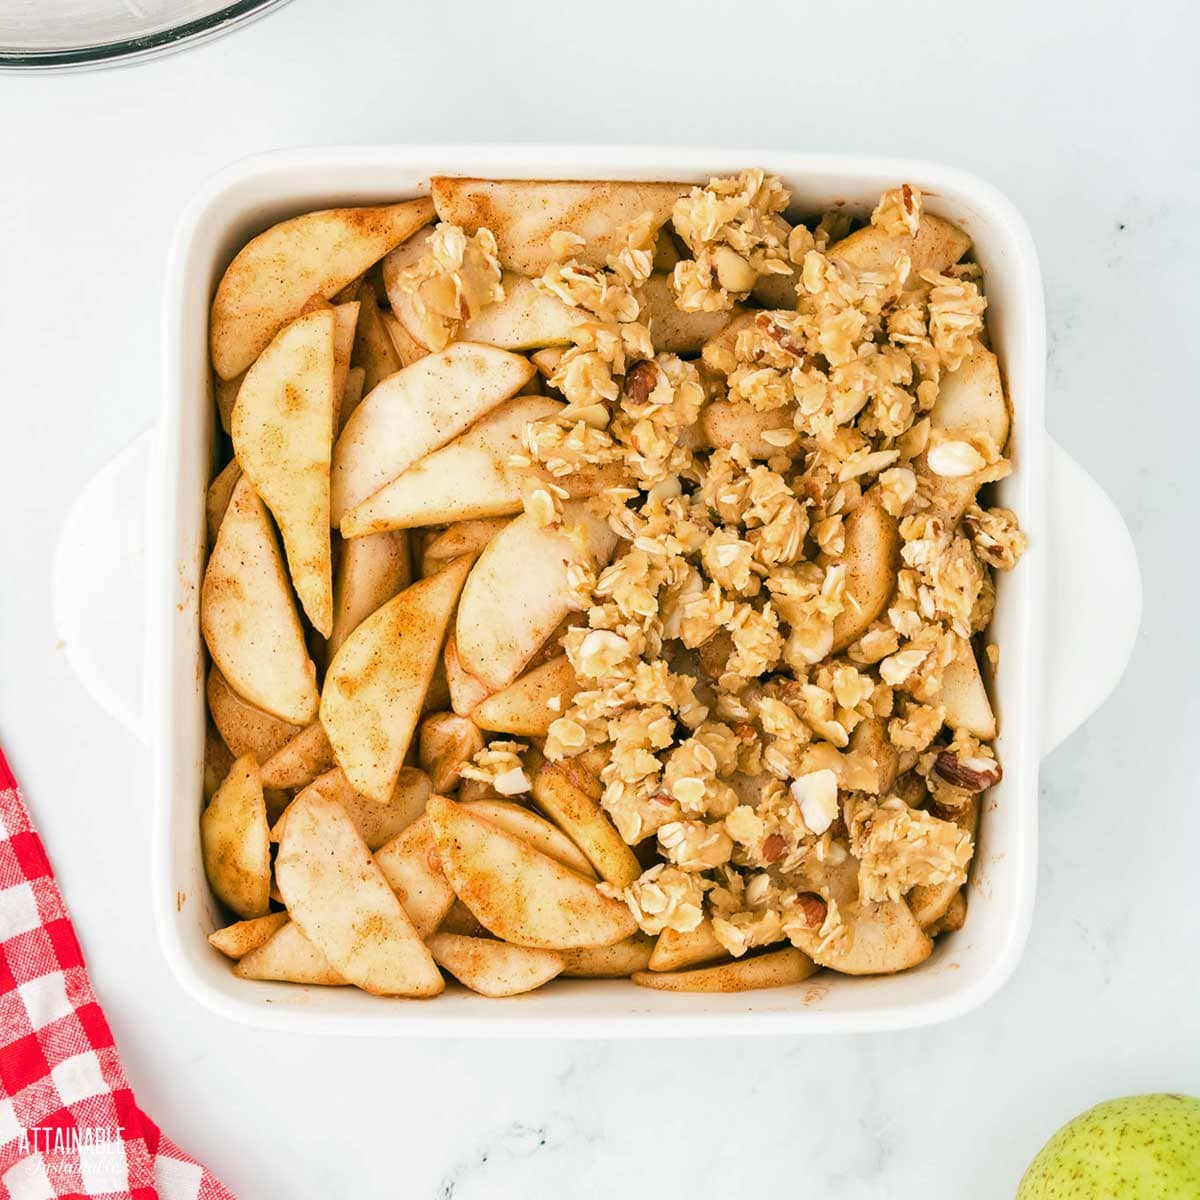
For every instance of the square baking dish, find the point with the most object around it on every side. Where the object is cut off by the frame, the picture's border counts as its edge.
(965, 969)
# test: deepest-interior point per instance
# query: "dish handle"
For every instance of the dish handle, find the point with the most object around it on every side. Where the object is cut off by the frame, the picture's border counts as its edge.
(1093, 598)
(98, 584)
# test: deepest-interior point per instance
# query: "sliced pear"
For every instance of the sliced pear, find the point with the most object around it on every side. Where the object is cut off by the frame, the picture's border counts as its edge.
(872, 559)
(300, 761)
(531, 702)
(673, 330)
(583, 772)
(409, 320)
(340, 899)
(618, 961)
(376, 823)
(937, 245)
(472, 476)
(884, 938)
(225, 393)
(370, 571)
(952, 495)
(446, 743)
(776, 291)
(493, 968)
(534, 829)
(718, 352)
(352, 394)
(289, 957)
(244, 728)
(376, 684)
(374, 349)
(237, 940)
(931, 901)
(970, 401)
(217, 761)
(518, 893)
(235, 841)
(737, 422)
(855, 769)
(283, 438)
(437, 698)
(275, 274)
(954, 918)
(315, 304)
(528, 318)
(972, 398)
(518, 592)
(524, 213)
(666, 252)
(674, 950)
(964, 697)
(417, 410)
(345, 323)
(879, 759)
(463, 537)
(408, 349)
(587, 824)
(277, 801)
(547, 360)
(248, 616)
(216, 499)
(460, 919)
(466, 691)
(879, 939)
(776, 968)
(413, 869)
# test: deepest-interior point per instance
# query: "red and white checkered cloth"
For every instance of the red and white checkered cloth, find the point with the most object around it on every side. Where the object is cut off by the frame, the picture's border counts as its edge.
(69, 1123)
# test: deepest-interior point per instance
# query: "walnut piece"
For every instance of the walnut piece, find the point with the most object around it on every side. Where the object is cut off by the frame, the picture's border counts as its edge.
(969, 774)
(813, 907)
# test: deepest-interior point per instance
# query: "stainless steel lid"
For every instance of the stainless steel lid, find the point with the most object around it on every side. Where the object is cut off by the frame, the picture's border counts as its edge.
(81, 34)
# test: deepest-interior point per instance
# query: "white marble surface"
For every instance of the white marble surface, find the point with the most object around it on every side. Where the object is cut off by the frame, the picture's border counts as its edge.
(1086, 115)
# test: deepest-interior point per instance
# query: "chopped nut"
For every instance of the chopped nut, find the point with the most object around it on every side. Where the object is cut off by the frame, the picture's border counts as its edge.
(814, 909)
(954, 459)
(499, 760)
(817, 795)
(640, 381)
(599, 652)
(733, 271)
(969, 774)
(773, 847)
(540, 505)
(512, 783)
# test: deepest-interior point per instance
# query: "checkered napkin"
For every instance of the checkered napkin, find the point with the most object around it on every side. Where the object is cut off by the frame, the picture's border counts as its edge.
(69, 1123)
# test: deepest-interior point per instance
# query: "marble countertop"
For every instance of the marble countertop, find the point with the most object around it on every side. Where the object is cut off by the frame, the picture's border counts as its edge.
(1087, 116)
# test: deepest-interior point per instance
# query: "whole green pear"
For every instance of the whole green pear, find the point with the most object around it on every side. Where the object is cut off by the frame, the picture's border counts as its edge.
(1136, 1148)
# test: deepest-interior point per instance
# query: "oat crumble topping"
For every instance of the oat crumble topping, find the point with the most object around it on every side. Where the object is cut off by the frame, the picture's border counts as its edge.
(455, 277)
(737, 728)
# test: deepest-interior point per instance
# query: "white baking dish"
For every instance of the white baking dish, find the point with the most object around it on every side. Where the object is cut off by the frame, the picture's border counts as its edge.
(1080, 558)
